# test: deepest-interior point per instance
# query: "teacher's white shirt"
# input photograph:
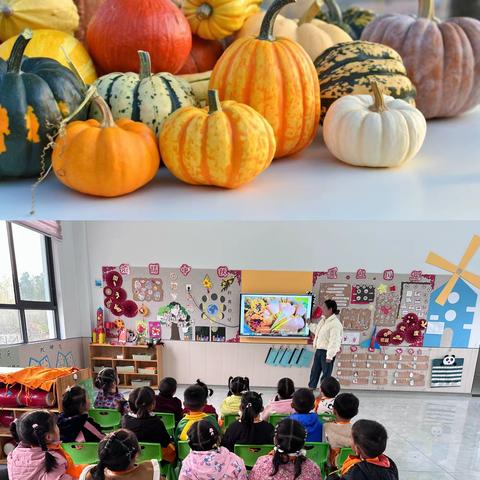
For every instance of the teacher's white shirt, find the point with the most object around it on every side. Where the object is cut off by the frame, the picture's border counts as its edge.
(328, 335)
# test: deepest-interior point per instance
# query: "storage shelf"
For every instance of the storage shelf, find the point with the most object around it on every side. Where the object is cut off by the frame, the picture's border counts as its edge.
(103, 358)
(139, 374)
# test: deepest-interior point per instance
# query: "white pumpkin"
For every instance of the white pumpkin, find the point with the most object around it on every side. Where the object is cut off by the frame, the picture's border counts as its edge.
(314, 35)
(378, 132)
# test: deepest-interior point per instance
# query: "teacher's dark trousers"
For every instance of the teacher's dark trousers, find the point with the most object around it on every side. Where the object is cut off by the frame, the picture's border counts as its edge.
(320, 367)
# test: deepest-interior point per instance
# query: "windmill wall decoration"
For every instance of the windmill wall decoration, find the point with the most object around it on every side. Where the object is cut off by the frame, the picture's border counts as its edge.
(458, 271)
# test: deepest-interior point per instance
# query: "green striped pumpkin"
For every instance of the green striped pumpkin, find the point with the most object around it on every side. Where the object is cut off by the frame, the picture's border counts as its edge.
(144, 97)
(348, 68)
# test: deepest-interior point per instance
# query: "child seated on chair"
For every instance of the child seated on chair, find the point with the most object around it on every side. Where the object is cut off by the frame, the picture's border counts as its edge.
(288, 460)
(118, 453)
(107, 383)
(369, 441)
(249, 429)
(74, 423)
(147, 426)
(236, 387)
(210, 409)
(195, 399)
(282, 403)
(337, 434)
(303, 401)
(207, 460)
(329, 389)
(166, 401)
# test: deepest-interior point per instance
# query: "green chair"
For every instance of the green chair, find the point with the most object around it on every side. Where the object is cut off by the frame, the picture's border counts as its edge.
(251, 453)
(326, 417)
(183, 449)
(276, 418)
(228, 420)
(107, 418)
(82, 453)
(318, 453)
(150, 451)
(342, 456)
(168, 420)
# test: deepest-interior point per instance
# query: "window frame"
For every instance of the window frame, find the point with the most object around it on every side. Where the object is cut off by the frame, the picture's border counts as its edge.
(24, 305)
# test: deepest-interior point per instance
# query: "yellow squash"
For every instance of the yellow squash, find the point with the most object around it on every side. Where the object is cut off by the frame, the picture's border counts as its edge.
(226, 144)
(16, 15)
(52, 44)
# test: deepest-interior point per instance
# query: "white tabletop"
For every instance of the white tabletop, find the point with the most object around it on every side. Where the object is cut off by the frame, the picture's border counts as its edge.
(441, 183)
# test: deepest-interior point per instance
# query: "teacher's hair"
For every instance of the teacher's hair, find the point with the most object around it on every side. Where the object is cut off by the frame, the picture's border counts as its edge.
(333, 305)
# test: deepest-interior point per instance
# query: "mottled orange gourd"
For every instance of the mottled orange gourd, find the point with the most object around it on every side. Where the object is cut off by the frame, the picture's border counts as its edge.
(226, 144)
(277, 78)
(106, 159)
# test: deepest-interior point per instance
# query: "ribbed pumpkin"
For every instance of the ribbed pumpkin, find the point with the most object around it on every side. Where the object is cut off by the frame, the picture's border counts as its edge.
(143, 97)
(442, 58)
(122, 27)
(348, 69)
(353, 20)
(16, 15)
(53, 44)
(385, 132)
(107, 158)
(217, 19)
(35, 95)
(86, 11)
(277, 78)
(312, 34)
(203, 56)
(227, 144)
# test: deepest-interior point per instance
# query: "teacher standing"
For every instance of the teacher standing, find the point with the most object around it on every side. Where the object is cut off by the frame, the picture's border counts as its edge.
(328, 338)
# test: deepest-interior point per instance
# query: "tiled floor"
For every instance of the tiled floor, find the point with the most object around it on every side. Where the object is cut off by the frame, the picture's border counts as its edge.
(431, 437)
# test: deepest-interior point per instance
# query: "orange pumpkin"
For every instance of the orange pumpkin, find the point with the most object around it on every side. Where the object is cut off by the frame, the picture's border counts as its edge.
(203, 56)
(106, 159)
(226, 145)
(277, 78)
(442, 58)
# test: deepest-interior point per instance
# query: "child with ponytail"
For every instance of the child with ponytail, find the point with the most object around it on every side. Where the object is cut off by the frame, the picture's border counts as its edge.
(249, 429)
(38, 454)
(107, 383)
(117, 454)
(236, 387)
(288, 461)
(207, 459)
(147, 426)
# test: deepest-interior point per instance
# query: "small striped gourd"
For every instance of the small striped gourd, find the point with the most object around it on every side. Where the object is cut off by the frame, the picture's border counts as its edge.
(144, 97)
(349, 68)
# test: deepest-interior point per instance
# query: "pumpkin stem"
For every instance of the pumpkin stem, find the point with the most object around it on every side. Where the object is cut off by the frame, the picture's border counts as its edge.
(213, 102)
(378, 100)
(334, 11)
(145, 65)
(107, 117)
(6, 10)
(426, 9)
(266, 29)
(311, 12)
(204, 11)
(16, 56)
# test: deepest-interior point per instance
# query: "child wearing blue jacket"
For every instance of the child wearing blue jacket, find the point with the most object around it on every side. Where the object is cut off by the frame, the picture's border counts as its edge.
(303, 402)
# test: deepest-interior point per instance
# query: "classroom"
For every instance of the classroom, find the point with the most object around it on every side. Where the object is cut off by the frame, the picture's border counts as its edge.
(235, 305)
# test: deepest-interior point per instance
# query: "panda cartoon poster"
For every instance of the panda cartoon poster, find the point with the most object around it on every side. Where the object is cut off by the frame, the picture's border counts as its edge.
(447, 372)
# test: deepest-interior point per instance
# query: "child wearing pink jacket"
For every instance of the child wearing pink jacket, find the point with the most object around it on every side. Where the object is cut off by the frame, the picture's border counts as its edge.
(283, 401)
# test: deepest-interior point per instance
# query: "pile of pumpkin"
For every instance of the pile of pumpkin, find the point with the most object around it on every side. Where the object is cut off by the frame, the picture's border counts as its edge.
(267, 81)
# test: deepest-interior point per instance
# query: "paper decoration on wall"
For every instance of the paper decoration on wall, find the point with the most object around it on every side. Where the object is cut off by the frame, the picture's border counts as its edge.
(388, 275)
(222, 271)
(350, 338)
(144, 311)
(287, 357)
(114, 279)
(213, 307)
(382, 288)
(147, 289)
(218, 334)
(415, 298)
(362, 294)
(452, 323)
(124, 268)
(386, 309)
(154, 330)
(340, 292)
(202, 334)
(185, 269)
(207, 283)
(130, 308)
(356, 318)
(458, 271)
(174, 316)
(141, 328)
(227, 283)
(105, 271)
(361, 274)
(154, 268)
(447, 372)
(410, 330)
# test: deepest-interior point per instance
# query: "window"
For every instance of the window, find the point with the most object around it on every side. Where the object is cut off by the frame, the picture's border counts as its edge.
(28, 305)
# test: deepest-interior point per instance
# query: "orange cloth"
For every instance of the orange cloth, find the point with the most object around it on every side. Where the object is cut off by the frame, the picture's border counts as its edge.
(36, 377)
(169, 453)
(72, 469)
(352, 460)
